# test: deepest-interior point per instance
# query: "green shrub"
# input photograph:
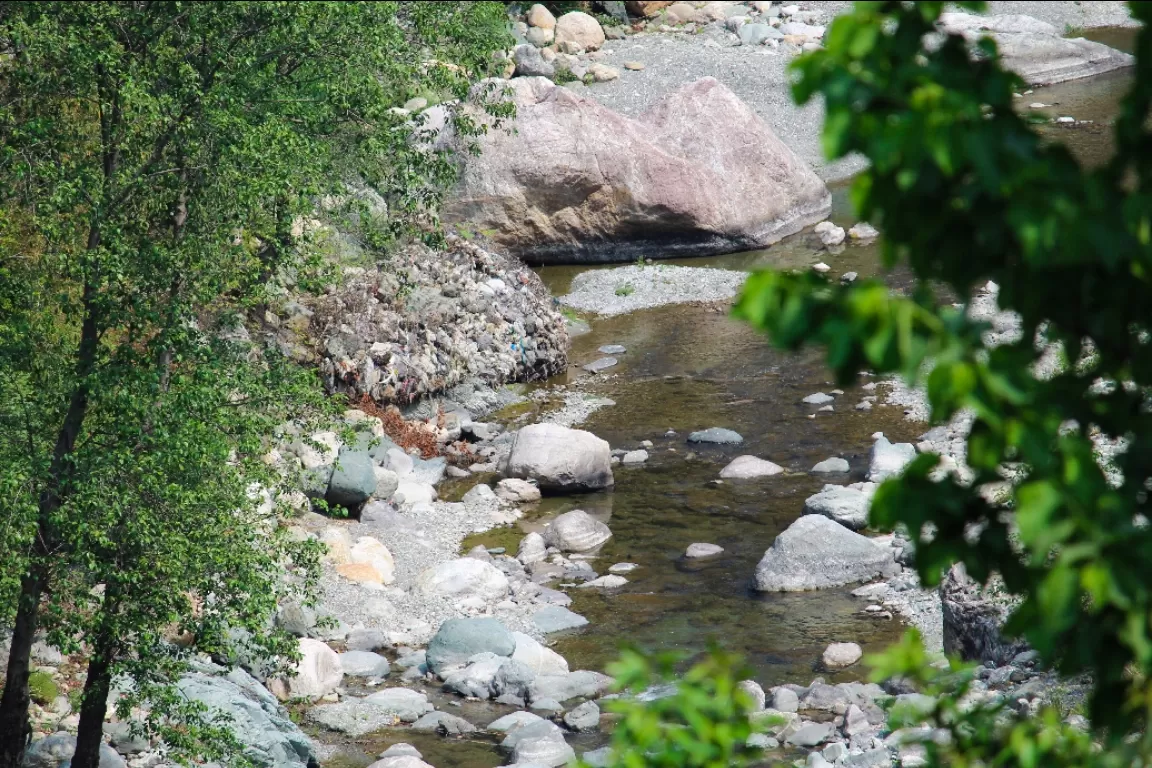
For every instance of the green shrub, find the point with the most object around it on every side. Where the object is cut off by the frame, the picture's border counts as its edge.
(42, 688)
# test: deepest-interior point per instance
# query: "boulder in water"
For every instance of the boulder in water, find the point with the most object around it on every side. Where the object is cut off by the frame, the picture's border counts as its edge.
(560, 460)
(817, 553)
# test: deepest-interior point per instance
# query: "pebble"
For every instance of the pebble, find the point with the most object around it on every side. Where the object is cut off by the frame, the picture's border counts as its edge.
(703, 550)
(623, 568)
(848, 277)
(634, 66)
(819, 398)
(1065, 119)
(635, 457)
(821, 267)
(612, 349)
(602, 364)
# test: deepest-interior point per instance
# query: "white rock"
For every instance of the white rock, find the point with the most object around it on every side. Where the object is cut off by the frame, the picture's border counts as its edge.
(320, 454)
(561, 459)
(635, 457)
(371, 552)
(578, 30)
(605, 582)
(318, 673)
(703, 550)
(748, 467)
(886, 458)
(834, 465)
(410, 492)
(539, 16)
(532, 549)
(863, 231)
(517, 491)
(755, 692)
(398, 461)
(537, 657)
(339, 543)
(821, 267)
(465, 577)
(840, 655)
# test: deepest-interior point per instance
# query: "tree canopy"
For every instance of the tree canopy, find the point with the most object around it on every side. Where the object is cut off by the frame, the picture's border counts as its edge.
(162, 165)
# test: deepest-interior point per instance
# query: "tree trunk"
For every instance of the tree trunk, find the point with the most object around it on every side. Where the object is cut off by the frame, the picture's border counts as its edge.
(15, 730)
(90, 733)
(972, 621)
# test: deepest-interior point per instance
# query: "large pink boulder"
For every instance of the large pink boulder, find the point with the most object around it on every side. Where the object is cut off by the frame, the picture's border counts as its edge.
(698, 173)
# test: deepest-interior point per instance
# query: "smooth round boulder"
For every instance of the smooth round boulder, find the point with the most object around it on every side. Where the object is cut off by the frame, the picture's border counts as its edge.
(816, 553)
(364, 664)
(369, 551)
(458, 640)
(318, 673)
(577, 29)
(702, 550)
(841, 655)
(886, 458)
(517, 491)
(750, 468)
(716, 436)
(539, 16)
(536, 657)
(576, 531)
(560, 460)
(833, 465)
(847, 506)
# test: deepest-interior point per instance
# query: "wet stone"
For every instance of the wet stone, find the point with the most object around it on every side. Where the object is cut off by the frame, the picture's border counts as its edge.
(602, 364)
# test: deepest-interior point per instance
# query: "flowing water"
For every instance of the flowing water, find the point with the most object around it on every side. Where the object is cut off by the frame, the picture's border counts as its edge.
(691, 367)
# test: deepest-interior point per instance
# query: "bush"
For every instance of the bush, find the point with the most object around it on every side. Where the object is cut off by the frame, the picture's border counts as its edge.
(42, 688)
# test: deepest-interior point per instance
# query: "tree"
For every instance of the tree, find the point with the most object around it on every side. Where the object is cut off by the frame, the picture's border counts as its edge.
(965, 190)
(156, 161)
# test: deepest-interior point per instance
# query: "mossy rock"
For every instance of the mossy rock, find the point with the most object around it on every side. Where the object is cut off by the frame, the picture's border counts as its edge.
(42, 688)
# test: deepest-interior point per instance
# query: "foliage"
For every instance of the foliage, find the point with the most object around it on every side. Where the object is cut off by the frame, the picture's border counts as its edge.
(965, 191)
(625, 289)
(703, 722)
(165, 170)
(43, 688)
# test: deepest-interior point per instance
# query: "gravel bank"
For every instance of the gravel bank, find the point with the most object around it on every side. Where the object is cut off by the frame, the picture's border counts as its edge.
(627, 289)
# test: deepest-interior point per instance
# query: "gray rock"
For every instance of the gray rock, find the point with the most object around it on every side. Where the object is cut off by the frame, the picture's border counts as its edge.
(811, 735)
(56, 751)
(972, 617)
(514, 720)
(430, 471)
(612, 349)
(296, 619)
(259, 722)
(585, 684)
(598, 758)
(576, 531)
(541, 748)
(635, 457)
(458, 640)
(445, 724)
(749, 468)
(717, 436)
(560, 460)
(872, 758)
(1036, 50)
(410, 660)
(760, 741)
(532, 549)
(387, 482)
(364, 664)
(817, 553)
(538, 659)
(818, 399)
(366, 640)
(886, 458)
(847, 506)
(863, 231)
(757, 34)
(400, 750)
(462, 578)
(409, 705)
(356, 717)
(755, 693)
(517, 491)
(585, 717)
(475, 680)
(353, 479)
(529, 730)
(556, 618)
(121, 739)
(785, 699)
(840, 655)
(834, 464)
(529, 62)
(602, 364)
(479, 494)
(514, 678)
(540, 38)
(703, 550)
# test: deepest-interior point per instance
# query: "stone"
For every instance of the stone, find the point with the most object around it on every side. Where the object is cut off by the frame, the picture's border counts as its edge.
(818, 399)
(750, 467)
(387, 482)
(703, 550)
(599, 758)
(532, 549)
(364, 664)
(296, 619)
(539, 744)
(580, 684)
(698, 163)
(400, 750)
(462, 578)
(816, 553)
(821, 267)
(585, 717)
(810, 735)
(757, 34)
(409, 705)
(353, 479)
(318, 673)
(633, 66)
(817, 760)
(366, 640)
(517, 491)
(646, 8)
(717, 436)
(602, 73)
(369, 551)
(886, 459)
(475, 680)
(635, 457)
(799, 29)
(833, 465)
(56, 751)
(754, 692)
(556, 618)
(256, 718)
(848, 277)
(1036, 50)
(514, 720)
(444, 724)
(576, 531)
(972, 617)
(409, 493)
(605, 582)
(845, 505)
(612, 349)
(529, 61)
(602, 364)
(399, 462)
(622, 568)
(479, 494)
(560, 460)
(856, 722)
(536, 657)
(863, 231)
(785, 699)
(539, 16)
(458, 640)
(840, 655)
(579, 29)
(400, 761)
(514, 678)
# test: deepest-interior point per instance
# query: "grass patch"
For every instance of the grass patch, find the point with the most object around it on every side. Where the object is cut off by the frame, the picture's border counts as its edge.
(42, 688)
(625, 289)
(1071, 31)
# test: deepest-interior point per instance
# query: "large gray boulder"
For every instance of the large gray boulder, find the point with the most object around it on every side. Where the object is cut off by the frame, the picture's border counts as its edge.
(465, 577)
(886, 458)
(353, 479)
(576, 531)
(1035, 49)
(458, 640)
(540, 743)
(561, 460)
(259, 722)
(357, 717)
(816, 553)
(582, 683)
(570, 180)
(56, 751)
(845, 505)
